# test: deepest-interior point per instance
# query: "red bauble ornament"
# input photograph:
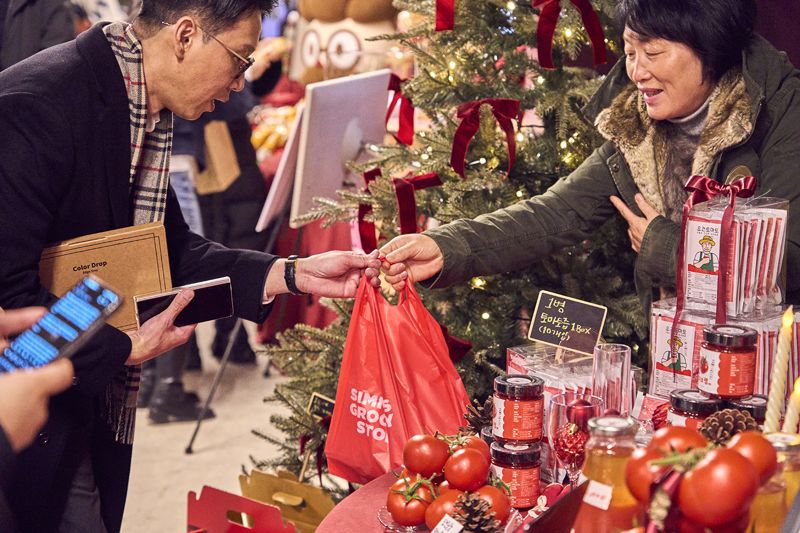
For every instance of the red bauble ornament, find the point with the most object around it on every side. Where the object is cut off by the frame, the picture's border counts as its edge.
(570, 445)
(579, 411)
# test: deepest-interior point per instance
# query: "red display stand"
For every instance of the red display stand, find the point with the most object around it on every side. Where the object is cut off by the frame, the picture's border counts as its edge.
(359, 511)
(209, 514)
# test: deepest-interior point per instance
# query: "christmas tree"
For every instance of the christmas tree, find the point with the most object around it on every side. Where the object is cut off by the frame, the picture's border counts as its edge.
(487, 55)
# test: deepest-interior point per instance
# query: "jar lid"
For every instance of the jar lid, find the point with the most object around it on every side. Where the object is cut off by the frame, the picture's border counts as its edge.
(756, 405)
(693, 401)
(784, 442)
(523, 455)
(612, 426)
(487, 435)
(730, 335)
(519, 386)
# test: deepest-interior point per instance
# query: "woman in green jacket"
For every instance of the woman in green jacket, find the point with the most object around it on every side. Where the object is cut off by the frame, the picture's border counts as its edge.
(697, 92)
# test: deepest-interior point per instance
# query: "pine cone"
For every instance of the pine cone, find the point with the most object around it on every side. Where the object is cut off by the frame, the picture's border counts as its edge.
(478, 416)
(722, 425)
(473, 514)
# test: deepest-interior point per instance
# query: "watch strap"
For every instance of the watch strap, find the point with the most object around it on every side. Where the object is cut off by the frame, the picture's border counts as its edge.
(289, 275)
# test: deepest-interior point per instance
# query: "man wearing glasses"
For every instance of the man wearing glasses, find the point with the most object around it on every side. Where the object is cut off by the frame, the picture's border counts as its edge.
(85, 138)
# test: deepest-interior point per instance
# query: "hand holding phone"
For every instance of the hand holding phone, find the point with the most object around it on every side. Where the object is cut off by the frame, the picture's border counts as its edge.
(64, 328)
(160, 333)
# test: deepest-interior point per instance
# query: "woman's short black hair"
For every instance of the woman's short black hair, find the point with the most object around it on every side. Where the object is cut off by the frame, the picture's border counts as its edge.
(716, 30)
(216, 15)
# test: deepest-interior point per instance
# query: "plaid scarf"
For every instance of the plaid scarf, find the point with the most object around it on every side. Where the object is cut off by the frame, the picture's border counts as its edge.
(149, 180)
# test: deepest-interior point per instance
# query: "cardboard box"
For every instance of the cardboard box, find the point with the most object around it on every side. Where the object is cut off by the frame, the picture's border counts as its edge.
(222, 165)
(132, 260)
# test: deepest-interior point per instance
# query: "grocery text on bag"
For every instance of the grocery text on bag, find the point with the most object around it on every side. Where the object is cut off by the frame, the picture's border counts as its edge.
(371, 409)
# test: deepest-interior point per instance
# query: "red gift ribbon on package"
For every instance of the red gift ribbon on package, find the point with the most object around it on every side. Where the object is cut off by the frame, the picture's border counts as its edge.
(445, 14)
(549, 11)
(406, 201)
(366, 229)
(702, 189)
(503, 109)
(405, 132)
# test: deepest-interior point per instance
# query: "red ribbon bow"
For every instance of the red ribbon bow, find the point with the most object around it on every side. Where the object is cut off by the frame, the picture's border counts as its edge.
(405, 131)
(702, 189)
(503, 109)
(549, 11)
(445, 14)
(407, 202)
(366, 229)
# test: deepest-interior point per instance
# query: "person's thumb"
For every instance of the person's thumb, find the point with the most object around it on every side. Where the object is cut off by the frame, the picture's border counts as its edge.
(53, 378)
(178, 304)
(18, 320)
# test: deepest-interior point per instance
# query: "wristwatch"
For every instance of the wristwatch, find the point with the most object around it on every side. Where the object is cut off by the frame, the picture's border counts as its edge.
(289, 275)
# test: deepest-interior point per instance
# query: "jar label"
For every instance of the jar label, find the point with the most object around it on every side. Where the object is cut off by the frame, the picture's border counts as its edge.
(517, 419)
(598, 495)
(726, 374)
(524, 484)
(674, 419)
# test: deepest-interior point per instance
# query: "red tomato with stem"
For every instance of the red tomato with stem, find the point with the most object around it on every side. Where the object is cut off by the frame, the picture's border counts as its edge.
(640, 474)
(758, 450)
(466, 469)
(726, 474)
(444, 504)
(425, 455)
(499, 502)
(408, 500)
(476, 443)
(677, 439)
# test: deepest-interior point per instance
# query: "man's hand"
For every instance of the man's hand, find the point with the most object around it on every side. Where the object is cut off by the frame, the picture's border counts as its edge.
(24, 393)
(160, 334)
(637, 226)
(415, 257)
(336, 274)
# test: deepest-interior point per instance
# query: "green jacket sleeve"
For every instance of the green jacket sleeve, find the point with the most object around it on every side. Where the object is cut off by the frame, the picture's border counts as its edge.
(511, 238)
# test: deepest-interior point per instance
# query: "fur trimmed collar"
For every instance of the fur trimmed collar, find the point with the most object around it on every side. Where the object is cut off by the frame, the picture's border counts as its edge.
(640, 139)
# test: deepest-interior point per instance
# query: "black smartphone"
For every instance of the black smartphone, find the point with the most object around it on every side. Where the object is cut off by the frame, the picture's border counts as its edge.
(213, 299)
(69, 323)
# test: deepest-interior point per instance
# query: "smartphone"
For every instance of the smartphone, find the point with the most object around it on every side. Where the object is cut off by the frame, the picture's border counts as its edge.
(68, 324)
(213, 299)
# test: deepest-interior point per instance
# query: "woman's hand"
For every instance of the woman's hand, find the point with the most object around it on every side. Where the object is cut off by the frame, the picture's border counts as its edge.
(637, 226)
(415, 257)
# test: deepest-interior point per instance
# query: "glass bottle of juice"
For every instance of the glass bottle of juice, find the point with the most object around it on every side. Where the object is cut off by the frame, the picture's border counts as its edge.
(608, 506)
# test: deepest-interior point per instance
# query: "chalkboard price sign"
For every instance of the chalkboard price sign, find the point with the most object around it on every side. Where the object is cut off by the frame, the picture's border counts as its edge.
(320, 405)
(566, 322)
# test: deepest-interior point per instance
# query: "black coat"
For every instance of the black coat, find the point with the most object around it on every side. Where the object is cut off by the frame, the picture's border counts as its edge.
(6, 463)
(64, 167)
(31, 26)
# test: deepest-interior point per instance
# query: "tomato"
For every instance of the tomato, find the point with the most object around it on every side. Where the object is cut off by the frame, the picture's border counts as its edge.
(734, 526)
(408, 500)
(425, 455)
(474, 442)
(466, 469)
(499, 502)
(640, 474)
(678, 439)
(723, 484)
(443, 487)
(758, 450)
(444, 504)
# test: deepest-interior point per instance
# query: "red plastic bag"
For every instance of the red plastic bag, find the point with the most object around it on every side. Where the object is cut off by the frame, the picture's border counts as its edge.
(396, 380)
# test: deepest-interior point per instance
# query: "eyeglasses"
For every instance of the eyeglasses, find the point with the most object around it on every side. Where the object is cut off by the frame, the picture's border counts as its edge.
(243, 63)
